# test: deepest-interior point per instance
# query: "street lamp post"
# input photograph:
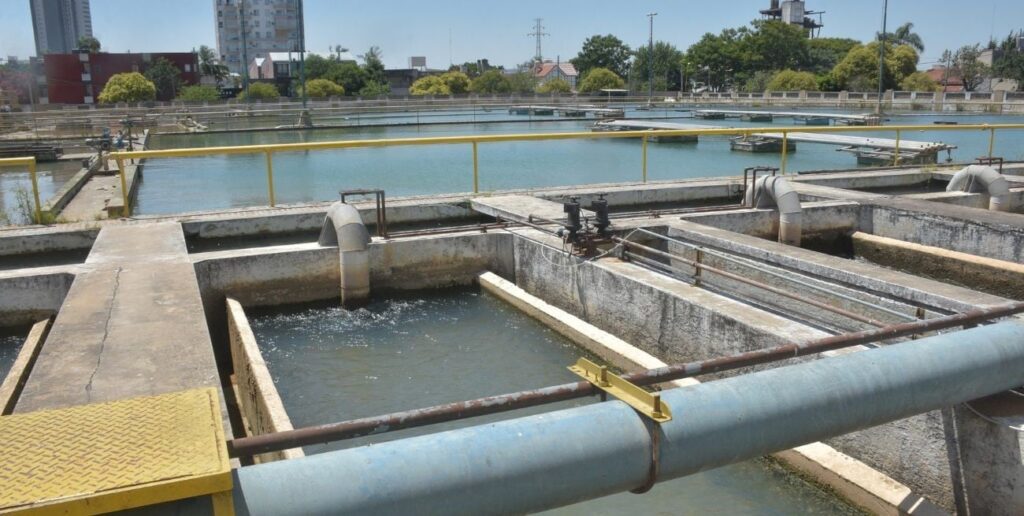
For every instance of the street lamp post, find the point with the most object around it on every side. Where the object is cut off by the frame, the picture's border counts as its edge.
(881, 56)
(650, 59)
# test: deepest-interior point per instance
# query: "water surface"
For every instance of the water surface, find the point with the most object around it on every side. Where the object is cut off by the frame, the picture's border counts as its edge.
(414, 351)
(214, 182)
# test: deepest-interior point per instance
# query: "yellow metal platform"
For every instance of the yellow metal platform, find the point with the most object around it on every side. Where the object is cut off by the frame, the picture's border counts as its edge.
(105, 457)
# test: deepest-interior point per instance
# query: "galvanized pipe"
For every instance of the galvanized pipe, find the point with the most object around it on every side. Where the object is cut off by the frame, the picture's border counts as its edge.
(550, 460)
(748, 281)
(747, 263)
(247, 446)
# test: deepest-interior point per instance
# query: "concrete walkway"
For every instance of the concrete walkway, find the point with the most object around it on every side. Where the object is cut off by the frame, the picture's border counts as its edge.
(132, 324)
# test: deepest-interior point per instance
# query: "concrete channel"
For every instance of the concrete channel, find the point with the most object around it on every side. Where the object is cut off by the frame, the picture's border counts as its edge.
(153, 305)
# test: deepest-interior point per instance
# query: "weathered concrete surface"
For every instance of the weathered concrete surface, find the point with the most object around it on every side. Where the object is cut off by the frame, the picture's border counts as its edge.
(819, 217)
(998, 277)
(871, 282)
(11, 386)
(980, 232)
(46, 239)
(673, 321)
(131, 325)
(261, 406)
(520, 207)
(27, 297)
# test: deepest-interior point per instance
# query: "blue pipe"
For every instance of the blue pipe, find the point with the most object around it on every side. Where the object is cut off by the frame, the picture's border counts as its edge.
(559, 458)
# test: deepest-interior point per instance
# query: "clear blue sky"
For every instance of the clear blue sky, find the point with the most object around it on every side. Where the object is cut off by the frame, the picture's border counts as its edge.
(497, 30)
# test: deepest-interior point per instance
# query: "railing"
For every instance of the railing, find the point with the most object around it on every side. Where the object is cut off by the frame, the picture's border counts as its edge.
(473, 141)
(30, 163)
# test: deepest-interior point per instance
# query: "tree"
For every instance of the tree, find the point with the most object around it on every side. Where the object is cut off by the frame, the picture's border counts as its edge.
(457, 82)
(824, 54)
(773, 45)
(89, 43)
(919, 81)
(375, 89)
(491, 82)
(323, 88)
(210, 66)
(374, 65)
(556, 85)
(260, 91)
(603, 52)
(522, 82)
(1010, 62)
(317, 66)
(346, 74)
(971, 70)
(430, 85)
(127, 87)
(715, 57)
(17, 79)
(199, 93)
(904, 35)
(166, 77)
(758, 82)
(858, 71)
(667, 60)
(599, 79)
(790, 80)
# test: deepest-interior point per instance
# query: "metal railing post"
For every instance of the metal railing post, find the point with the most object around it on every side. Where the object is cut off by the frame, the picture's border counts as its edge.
(991, 140)
(126, 209)
(785, 152)
(35, 190)
(270, 177)
(644, 158)
(896, 153)
(476, 169)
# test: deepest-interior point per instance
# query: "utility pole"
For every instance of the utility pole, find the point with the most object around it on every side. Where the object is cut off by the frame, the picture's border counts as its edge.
(538, 32)
(650, 59)
(881, 56)
(302, 52)
(245, 49)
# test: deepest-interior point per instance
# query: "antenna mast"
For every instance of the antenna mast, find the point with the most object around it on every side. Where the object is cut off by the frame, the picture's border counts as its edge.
(538, 32)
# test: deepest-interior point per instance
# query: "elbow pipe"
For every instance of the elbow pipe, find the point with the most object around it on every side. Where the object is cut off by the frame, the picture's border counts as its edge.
(983, 179)
(343, 227)
(775, 192)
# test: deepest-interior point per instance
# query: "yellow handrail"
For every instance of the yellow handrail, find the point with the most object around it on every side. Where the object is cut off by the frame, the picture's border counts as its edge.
(29, 162)
(475, 140)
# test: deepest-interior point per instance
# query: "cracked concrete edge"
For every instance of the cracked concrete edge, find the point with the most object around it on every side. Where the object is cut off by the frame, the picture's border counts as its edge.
(11, 387)
(258, 399)
(850, 478)
(106, 333)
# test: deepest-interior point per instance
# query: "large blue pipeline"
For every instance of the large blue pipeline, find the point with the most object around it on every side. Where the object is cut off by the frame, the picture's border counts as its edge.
(559, 458)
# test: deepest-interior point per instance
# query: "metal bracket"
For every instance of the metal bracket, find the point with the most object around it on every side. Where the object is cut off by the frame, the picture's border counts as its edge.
(646, 403)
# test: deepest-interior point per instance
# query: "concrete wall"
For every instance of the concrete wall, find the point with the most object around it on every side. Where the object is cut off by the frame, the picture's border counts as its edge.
(824, 217)
(258, 400)
(28, 299)
(998, 277)
(973, 231)
(11, 385)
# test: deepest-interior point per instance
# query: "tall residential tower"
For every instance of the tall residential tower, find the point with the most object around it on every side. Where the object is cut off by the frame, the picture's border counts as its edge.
(58, 24)
(270, 26)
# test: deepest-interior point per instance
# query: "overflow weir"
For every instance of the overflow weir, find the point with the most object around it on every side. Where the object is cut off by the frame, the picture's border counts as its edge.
(863, 328)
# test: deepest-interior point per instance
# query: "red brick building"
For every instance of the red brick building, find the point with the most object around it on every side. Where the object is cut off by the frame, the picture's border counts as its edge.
(79, 78)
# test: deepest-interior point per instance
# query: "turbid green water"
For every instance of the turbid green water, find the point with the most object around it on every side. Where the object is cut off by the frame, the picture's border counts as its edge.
(188, 184)
(419, 350)
(11, 340)
(16, 187)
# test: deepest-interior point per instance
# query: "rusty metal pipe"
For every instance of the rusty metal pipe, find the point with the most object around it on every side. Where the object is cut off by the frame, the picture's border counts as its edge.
(247, 446)
(753, 283)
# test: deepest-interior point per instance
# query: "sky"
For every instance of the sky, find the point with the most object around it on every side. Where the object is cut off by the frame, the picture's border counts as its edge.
(497, 30)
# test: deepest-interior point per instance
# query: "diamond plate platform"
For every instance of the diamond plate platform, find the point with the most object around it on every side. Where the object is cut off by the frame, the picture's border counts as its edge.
(105, 457)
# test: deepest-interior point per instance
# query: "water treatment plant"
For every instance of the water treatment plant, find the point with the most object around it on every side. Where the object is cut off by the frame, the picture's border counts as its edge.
(504, 307)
